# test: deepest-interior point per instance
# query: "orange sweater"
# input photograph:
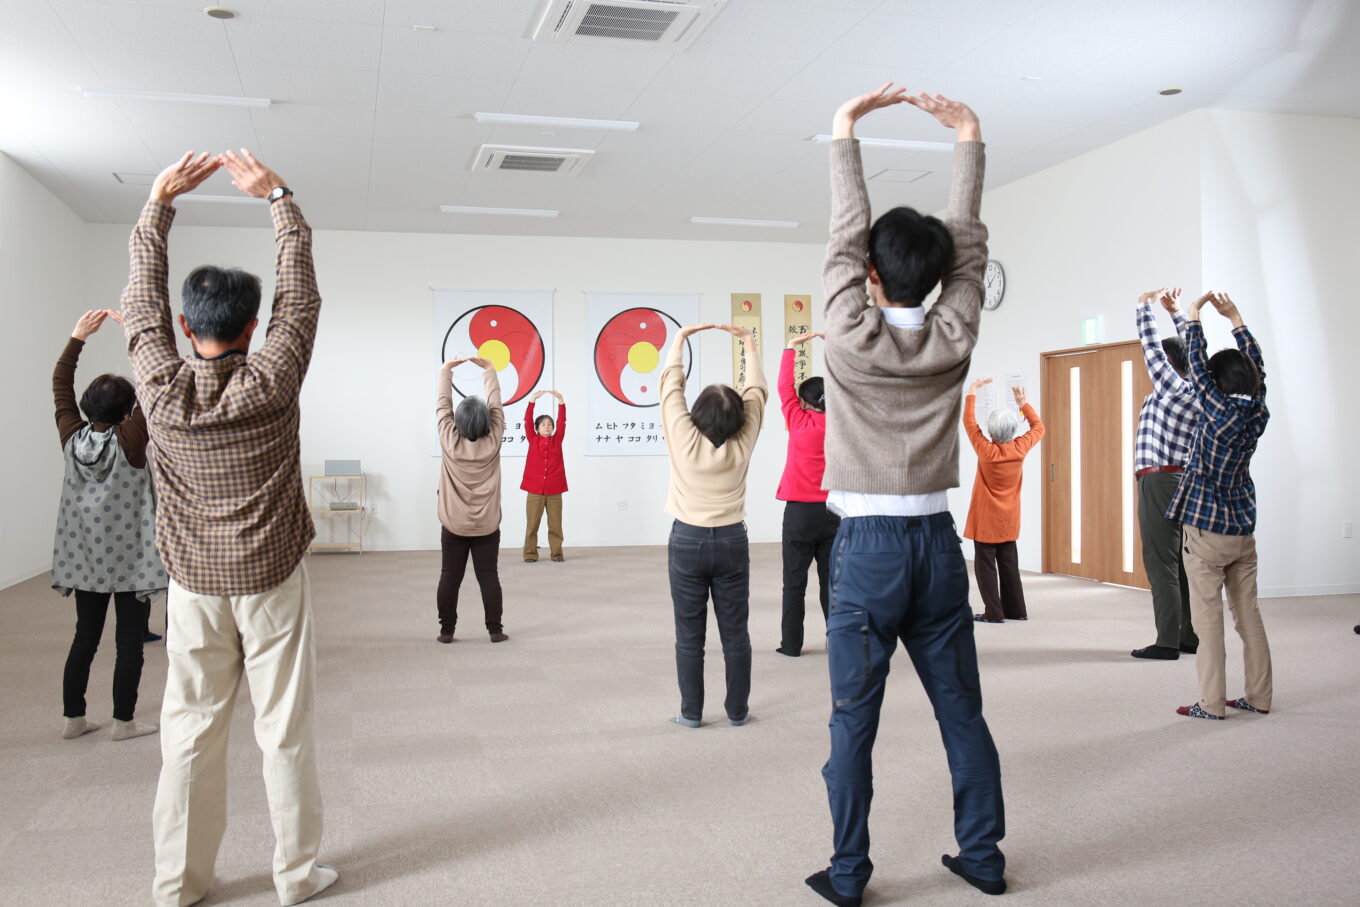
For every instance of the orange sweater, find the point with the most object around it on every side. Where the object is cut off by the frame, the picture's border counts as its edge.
(994, 514)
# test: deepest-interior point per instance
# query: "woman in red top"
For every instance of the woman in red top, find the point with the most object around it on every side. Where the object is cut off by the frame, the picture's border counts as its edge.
(545, 477)
(809, 528)
(994, 514)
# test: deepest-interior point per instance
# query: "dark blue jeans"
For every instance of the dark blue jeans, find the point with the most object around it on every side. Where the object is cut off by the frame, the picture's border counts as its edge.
(715, 562)
(904, 578)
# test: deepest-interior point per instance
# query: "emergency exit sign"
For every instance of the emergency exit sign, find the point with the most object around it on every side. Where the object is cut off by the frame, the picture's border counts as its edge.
(1092, 330)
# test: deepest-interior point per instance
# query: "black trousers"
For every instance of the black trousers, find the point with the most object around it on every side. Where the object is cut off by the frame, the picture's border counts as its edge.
(484, 549)
(1163, 551)
(716, 561)
(129, 629)
(809, 530)
(1006, 598)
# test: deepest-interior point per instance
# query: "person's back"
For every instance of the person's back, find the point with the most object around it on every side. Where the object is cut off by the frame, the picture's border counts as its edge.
(894, 373)
(232, 528)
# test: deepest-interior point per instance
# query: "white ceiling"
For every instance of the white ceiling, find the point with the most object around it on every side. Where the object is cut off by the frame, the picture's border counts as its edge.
(371, 122)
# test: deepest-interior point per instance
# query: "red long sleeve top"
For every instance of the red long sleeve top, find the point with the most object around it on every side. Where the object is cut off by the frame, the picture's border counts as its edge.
(806, 459)
(544, 471)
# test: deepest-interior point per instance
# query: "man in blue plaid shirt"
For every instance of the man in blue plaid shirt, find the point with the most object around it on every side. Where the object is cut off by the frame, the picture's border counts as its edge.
(1166, 428)
(1216, 502)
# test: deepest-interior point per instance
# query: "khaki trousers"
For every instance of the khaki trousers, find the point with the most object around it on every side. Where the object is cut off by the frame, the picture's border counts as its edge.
(534, 507)
(1214, 562)
(211, 641)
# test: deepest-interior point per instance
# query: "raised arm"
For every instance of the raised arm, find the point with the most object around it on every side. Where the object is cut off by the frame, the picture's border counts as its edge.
(847, 250)
(146, 299)
(1243, 337)
(1165, 380)
(970, 422)
(69, 418)
(754, 393)
(1213, 402)
(491, 386)
(287, 349)
(443, 401)
(529, 429)
(1036, 428)
(675, 417)
(965, 202)
(561, 427)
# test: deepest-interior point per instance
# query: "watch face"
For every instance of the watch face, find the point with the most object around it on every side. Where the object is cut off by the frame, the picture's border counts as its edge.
(993, 285)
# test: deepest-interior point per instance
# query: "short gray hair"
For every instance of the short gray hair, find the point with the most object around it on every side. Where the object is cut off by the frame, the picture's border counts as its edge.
(473, 418)
(1002, 426)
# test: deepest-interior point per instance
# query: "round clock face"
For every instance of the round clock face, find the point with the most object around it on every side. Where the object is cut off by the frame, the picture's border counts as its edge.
(993, 285)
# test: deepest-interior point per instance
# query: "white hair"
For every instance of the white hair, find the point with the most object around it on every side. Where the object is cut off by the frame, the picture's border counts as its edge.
(1002, 426)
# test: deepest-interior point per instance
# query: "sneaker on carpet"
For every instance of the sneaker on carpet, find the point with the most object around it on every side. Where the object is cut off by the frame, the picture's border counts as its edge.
(77, 727)
(326, 876)
(685, 722)
(126, 730)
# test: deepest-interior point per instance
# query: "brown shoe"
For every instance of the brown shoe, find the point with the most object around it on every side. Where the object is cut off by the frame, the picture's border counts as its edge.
(444, 638)
(557, 558)
(499, 637)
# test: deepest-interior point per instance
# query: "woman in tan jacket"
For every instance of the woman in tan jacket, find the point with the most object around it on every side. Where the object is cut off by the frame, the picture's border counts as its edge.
(470, 495)
(994, 514)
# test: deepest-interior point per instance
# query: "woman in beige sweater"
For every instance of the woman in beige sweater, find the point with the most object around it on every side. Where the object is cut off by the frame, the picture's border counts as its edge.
(710, 447)
(470, 495)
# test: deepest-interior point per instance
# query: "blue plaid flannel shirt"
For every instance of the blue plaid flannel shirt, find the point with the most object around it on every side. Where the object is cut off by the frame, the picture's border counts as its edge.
(1170, 414)
(1216, 494)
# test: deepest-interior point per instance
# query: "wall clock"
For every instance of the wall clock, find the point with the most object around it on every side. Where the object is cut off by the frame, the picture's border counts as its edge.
(993, 285)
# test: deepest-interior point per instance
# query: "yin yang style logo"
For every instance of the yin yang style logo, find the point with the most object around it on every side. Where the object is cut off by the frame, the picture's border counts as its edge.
(505, 338)
(631, 352)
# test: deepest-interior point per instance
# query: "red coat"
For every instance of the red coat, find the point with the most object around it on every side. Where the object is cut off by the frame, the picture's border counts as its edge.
(806, 460)
(544, 472)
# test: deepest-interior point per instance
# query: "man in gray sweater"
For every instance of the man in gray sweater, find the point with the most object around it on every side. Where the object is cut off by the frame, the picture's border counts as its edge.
(894, 375)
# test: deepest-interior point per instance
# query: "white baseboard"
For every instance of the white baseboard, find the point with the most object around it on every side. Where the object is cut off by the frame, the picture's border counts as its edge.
(17, 578)
(1296, 591)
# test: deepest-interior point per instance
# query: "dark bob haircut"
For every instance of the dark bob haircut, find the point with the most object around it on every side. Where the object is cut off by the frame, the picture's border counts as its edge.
(220, 302)
(108, 399)
(1233, 372)
(1175, 354)
(718, 413)
(813, 393)
(910, 251)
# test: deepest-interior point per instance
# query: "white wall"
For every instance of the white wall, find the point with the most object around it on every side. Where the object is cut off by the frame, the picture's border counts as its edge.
(42, 260)
(370, 392)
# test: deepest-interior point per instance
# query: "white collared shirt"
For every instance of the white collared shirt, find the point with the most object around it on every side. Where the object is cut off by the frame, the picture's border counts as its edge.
(854, 503)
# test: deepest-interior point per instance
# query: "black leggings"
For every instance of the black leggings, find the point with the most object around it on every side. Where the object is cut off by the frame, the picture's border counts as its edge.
(485, 549)
(91, 609)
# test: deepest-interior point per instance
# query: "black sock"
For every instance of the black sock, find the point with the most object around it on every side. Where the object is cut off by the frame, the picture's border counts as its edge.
(820, 882)
(987, 886)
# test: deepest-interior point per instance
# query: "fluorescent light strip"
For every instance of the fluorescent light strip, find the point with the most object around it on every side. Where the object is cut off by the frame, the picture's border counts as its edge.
(519, 119)
(902, 144)
(517, 212)
(221, 199)
(175, 97)
(743, 222)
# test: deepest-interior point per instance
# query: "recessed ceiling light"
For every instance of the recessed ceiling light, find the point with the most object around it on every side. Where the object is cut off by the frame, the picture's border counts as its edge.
(175, 97)
(1031, 78)
(219, 12)
(519, 119)
(424, 28)
(514, 212)
(903, 144)
(744, 222)
(1168, 92)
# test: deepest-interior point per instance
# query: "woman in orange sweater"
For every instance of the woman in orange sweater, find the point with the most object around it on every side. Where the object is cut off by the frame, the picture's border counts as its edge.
(994, 514)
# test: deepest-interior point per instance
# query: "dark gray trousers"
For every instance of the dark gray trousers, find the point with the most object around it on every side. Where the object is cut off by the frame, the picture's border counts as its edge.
(1162, 559)
(704, 563)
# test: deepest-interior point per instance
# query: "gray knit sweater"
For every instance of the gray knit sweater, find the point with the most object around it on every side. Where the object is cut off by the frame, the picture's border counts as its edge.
(893, 395)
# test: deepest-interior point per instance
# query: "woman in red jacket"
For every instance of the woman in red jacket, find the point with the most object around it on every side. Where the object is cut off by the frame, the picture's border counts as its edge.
(809, 528)
(994, 514)
(545, 477)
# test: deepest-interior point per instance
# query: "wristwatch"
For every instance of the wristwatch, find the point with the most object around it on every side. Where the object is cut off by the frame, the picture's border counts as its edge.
(277, 193)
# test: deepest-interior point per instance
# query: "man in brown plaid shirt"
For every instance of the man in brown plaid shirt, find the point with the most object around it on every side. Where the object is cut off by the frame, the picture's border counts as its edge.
(232, 526)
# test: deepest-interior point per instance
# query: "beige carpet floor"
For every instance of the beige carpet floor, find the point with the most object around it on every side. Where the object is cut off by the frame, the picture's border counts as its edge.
(543, 771)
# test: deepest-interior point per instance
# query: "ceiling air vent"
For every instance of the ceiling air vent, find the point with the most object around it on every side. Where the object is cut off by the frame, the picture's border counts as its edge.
(527, 159)
(646, 23)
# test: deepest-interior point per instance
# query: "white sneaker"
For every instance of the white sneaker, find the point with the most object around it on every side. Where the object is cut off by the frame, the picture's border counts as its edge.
(76, 727)
(326, 876)
(126, 730)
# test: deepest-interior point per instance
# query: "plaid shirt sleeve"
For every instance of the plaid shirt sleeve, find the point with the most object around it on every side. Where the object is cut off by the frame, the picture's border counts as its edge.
(1170, 414)
(146, 306)
(287, 349)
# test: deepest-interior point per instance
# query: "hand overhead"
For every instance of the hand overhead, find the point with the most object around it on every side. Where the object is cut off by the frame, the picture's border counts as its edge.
(248, 174)
(1171, 299)
(977, 385)
(954, 114)
(843, 125)
(184, 175)
(1020, 398)
(802, 338)
(741, 333)
(90, 322)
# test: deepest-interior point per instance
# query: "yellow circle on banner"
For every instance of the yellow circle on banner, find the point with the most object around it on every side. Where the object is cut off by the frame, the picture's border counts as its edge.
(643, 357)
(495, 352)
